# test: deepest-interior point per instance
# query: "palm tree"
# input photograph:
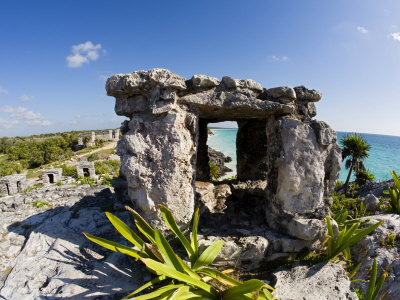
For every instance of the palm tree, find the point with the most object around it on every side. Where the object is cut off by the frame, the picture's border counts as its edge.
(355, 148)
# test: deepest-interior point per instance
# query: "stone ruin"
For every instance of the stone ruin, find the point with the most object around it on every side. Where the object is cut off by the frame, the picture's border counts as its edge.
(106, 135)
(51, 176)
(12, 184)
(287, 162)
(85, 168)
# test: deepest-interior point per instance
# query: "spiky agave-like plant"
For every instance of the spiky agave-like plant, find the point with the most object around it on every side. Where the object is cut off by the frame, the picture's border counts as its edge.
(181, 281)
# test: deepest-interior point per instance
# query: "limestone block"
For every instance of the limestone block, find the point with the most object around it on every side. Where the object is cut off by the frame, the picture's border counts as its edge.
(250, 84)
(203, 81)
(321, 281)
(158, 160)
(304, 94)
(282, 92)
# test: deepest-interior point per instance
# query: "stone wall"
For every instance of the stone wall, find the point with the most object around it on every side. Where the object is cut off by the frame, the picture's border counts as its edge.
(163, 149)
(51, 176)
(12, 184)
(106, 135)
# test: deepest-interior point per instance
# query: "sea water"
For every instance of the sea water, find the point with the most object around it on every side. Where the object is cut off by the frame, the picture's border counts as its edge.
(383, 155)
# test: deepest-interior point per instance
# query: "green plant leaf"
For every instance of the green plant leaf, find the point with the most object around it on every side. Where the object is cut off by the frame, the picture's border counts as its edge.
(194, 243)
(115, 246)
(142, 225)
(249, 286)
(169, 219)
(188, 270)
(159, 293)
(372, 280)
(146, 285)
(166, 251)
(379, 284)
(208, 255)
(125, 230)
(172, 273)
(221, 277)
(353, 273)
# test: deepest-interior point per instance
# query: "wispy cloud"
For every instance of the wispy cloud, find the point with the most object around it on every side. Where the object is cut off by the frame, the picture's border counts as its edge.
(3, 90)
(7, 124)
(25, 98)
(361, 29)
(278, 58)
(26, 115)
(103, 77)
(395, 36)
(83, 54)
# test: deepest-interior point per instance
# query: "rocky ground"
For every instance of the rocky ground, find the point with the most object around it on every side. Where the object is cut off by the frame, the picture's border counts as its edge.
(43, 254)
(219, 159)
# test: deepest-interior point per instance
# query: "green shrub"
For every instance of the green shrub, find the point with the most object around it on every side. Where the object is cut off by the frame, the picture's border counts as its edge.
(99, 142)
(181, 281)
(346, 238)
(68, 170)
(363, 177)
(390, 241)
(214, 171)
(106, 166)
(10, 168)
(394, 200)
(93, 156)
(354, 206)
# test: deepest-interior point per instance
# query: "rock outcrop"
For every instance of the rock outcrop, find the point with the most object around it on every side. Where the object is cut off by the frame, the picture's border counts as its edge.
(163, 148)
(384, 245)
(44, 255)
(321, 281)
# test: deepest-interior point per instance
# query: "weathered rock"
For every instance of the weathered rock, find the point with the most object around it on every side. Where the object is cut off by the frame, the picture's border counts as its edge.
(219, 160)
(165, 146)
(249, 252)
(321, 281)
(304, 94)
(282, 92)
(371, 202)
(43, 253)
(157, 156)
(203, 81)
(372, 247)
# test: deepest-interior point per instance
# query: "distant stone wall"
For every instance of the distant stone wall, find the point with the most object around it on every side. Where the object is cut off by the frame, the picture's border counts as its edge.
(163, 149)
(51, 176)
(106, 135)
(12, 184)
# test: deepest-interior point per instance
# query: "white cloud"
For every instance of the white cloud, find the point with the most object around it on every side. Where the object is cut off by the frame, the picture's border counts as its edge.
(395, 36)
(83, 54)
(7, 124)
(24, 114)
(103, 77)
(361, 29)
(3, 90)
(278, 58)
(25, 98)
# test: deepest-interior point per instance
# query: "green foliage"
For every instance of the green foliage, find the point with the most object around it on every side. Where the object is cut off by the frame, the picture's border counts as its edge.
(374, 285)
(354, 206)
(99, 142)
(39, 203)
(346, 237)
(10, 168)
(86, 140)
(390, 241)
(106, 166)
(33, 187)
(180, 280)
(214, 171)
(355, 148)
(364, 176)
(85, 180)
(67, 170)
(394, 193)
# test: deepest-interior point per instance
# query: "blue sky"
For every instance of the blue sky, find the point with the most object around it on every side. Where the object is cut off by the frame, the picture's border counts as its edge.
(56, 55)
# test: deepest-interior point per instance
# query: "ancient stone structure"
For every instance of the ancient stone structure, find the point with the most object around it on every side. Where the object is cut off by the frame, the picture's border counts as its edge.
(106, 135)
(85, 168)
(12, 184)
(51, 176)
(287, 162)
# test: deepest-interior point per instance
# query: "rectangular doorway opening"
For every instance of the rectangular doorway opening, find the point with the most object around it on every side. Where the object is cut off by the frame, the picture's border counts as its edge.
(86, 172)
(8, 189)
(51, 178)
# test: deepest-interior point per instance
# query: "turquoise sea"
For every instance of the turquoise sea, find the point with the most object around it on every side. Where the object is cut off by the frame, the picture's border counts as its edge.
(384, 153)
